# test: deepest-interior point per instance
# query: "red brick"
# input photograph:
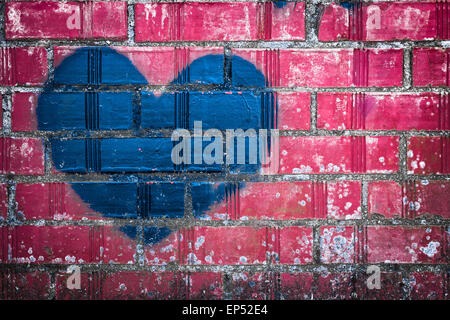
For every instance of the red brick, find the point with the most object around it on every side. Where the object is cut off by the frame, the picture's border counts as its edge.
(385, 21)
(378, 111)
(377, 154)
(117, 247)
(296, 286)
(205, 285)
(1, 111)
(428, 286)
(405, 244)
(23, 66)
(23, 114)
(291, 245)
(411, 200)
(336, 286)
(430, 67)
(22, 156)
(289, 201)
(52, 244)
(90, 286)
(327, 68)
(427, 155)
(3, 202)
(141, 285)
(337, 244)
(32, 285)
(257, 286)
(391, 286)
(211, 21)
(294, 110)
(166, 251)
(68, 20)
(5, 232)
(51, 201)
(224, 245)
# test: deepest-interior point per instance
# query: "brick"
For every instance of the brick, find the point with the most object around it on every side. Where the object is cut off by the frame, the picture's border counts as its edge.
(305, 67)
(385, 21)
(140, 285)
(427, 155)
(139, 65)
(293, 110)
(378, 111)
(337, 244)
(428, 286)
(257, 286)
(23, 113)
(296, 286)
(22, 156)
(90, 286)
(31, 285)
(205, 285)
(162, 246)
(403, 244)
(1, 111)
(118, 247)
(68, 20)
(391, 286)
(338, 154)
(410, 200)
(336, 286)
(291, 245)
(430, 67)
(52, 244)
(276, 200)
(221, 246)
(3, 202)
(211, 21)
(23, 66)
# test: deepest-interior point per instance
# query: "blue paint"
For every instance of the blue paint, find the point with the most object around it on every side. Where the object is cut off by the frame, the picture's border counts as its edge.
(347, 4)
(120, 111)
(279, 4)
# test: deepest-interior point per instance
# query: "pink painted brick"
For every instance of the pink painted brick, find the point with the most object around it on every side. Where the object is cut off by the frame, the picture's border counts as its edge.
(205, 285)
(428, 155)
(90, 286)
(51, 201)
(1, 111)
(116, 247)
(68, 20)
(256, 286)
(23, 66)
(33, 285)
(3, 201)
(52, 244)
(296, 286)
(391, 286)
(428, 286)
(23, 114)
(386, 21)
(140, 285)
(411, 200)
(337, 244)
(376, 111)
(431, 67)
(294, 245)
(405, 244)
(338, 154)
(22, 156)
(344, 67)
(166, 251)
(223, 245)
(290, 201)
(336, 286)
(211, 21)
(294, 110)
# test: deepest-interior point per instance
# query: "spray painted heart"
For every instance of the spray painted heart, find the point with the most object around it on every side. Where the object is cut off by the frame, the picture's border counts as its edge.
(85, 99)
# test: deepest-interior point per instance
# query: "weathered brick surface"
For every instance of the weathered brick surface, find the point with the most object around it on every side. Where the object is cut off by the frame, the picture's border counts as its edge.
(90, 92)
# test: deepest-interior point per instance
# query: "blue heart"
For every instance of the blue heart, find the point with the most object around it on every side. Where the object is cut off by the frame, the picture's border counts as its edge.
(83, 98)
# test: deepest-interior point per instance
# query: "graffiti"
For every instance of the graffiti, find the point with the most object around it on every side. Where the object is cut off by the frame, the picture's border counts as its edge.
(82, 108)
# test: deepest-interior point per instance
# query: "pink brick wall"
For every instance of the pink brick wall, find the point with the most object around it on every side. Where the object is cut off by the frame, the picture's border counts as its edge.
(361, 174)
